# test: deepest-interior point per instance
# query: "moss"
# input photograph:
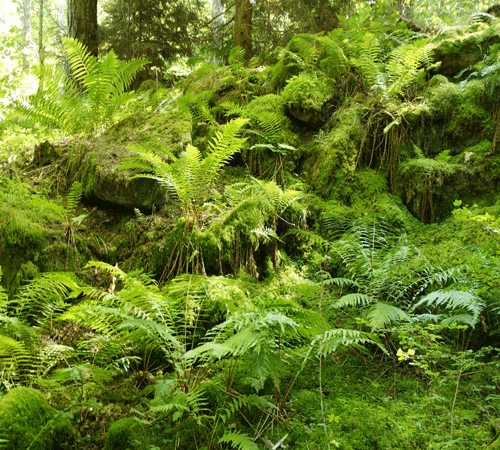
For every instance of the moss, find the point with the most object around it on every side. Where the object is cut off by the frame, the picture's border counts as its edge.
(429, 187)
(305, 95)
(451, 118)
(126, 434)
(458, 48)
(29, 222)
(27, 421)
(443, 96)
(206, 78)
(331, 169)
(468, 121)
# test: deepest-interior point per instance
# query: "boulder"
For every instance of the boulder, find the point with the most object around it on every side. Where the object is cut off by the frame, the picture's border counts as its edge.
(27, 421)
(96, 163)
(458, 48)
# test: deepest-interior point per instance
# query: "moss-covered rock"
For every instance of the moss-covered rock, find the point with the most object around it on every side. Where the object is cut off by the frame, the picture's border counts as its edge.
(126, 434)
(430, 186)
(459, 48)
(96, 163)
(331, 168)
(29, 224)
(453, 117)
(306, 96)
(27, 421)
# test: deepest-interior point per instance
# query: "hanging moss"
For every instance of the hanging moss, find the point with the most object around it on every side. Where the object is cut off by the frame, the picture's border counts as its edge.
(27, 421)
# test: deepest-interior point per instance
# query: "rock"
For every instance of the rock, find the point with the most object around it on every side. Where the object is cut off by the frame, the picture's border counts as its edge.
(458, 48)
(95, 163)
(127, 433)
(27, 421)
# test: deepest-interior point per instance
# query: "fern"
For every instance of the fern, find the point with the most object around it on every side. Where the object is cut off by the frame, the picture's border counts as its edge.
(15, 360)
(454, 300)
(382, 314)
(330, 340)
(47, 296)
(241, 441)
(92, 97)
(191, 177)
(73, 198)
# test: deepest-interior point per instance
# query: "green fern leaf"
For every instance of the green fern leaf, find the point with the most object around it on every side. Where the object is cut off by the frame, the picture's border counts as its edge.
(355, 299)
(330, 340)
(381, 314)
(452, 300)
(241, 441)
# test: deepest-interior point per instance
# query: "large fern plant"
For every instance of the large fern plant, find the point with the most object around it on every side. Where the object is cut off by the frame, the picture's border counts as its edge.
(192, 181)
(191, 178)
(388, 279)
(91, 97)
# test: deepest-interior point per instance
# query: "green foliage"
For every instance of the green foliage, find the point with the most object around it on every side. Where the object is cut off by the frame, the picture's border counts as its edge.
(191, 178)
(335, 162)
(241, 441)
(388, 275)
(309, 53)
(92, 97)
(306, 92)
(426, 185)
(47, 296)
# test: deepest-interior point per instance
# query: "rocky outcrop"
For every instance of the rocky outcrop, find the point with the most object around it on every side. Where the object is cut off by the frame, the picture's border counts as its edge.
(96, 162)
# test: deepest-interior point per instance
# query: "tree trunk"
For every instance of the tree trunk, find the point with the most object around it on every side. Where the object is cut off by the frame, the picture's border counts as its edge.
(82, 23)
(216, 24)
(26, 31)
(41, 51)
(243, 27)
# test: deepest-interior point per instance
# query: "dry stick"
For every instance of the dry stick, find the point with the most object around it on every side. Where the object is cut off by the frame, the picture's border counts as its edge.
(454, 401)
(320, 364)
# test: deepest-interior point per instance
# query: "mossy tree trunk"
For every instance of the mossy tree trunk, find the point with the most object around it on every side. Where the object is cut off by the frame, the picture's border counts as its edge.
(82, 23)
(243, 27)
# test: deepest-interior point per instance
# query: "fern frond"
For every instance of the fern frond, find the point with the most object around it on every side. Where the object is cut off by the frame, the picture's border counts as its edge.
(241, 441)
(355, 299)
(381, 314)
(453, 300)
(50, 356)
(156, 333)
(15, 358)
(81, 62)
(105, 267)
(330, 340)
(47, 295)
(51, 105)
(225, 144)
(73, 198)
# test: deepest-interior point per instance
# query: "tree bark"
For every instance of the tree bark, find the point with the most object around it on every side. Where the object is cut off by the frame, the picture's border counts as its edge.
(41, 50)
(216, 24)
(82, 23)
(243, 27)
(26, 31)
